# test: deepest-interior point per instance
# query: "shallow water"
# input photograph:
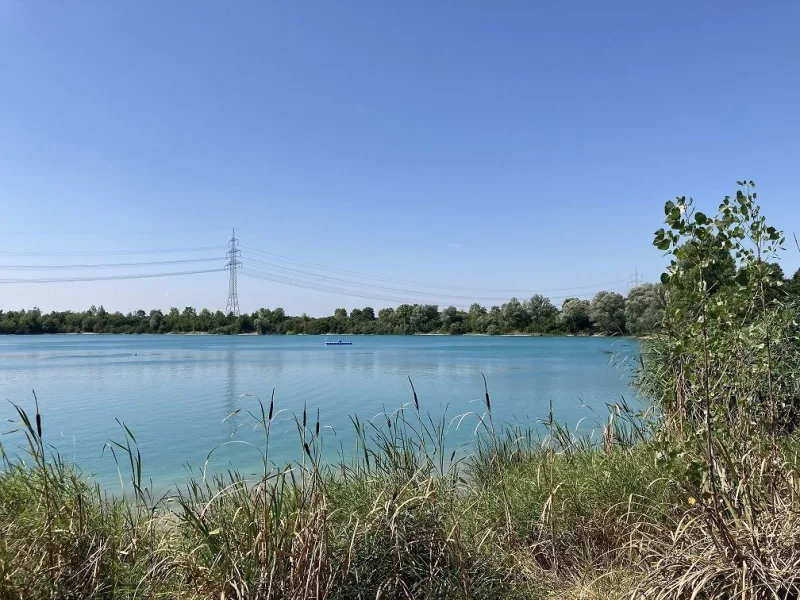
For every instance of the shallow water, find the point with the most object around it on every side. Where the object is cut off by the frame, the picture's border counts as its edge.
(174, 392)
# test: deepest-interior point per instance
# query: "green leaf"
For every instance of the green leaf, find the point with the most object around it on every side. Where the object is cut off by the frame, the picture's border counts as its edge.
(665, 278)
(668, 207)
(700, 218)
(741, 278)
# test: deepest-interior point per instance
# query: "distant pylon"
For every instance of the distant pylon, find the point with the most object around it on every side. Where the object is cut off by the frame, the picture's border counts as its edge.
(233, 265)
(634, 280)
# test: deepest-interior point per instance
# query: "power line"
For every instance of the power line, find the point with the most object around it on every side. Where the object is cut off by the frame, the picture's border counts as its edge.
(325, 288)
(319, 266)
(356, 293)
(300, 274)
(108, 277)
(117, 252)
(110, 265)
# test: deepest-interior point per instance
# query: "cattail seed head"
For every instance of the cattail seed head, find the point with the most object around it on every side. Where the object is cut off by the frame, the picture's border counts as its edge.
(486, 393)
(414, 391)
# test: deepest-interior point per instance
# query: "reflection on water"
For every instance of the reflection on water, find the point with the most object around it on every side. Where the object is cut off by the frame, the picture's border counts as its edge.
(175, 391)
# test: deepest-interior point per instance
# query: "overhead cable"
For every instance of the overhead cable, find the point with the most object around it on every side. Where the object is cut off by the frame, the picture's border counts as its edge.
(326, 268)
(315, 277)
(112, 265)
(107, 277)
(117, 252)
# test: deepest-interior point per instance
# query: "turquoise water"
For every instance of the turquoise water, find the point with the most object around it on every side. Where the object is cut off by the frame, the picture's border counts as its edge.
(174, 392)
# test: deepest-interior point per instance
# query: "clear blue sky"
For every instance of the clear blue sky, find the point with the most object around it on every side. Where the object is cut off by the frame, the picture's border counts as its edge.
(525, 145)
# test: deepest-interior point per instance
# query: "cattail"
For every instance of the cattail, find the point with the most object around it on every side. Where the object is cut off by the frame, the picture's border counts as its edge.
(304, 415)
(389, 423)
(272, 404)
(38, 416)
(316, 431)
(486, 392)
(452, 456)
(416, 401)
(308, 450)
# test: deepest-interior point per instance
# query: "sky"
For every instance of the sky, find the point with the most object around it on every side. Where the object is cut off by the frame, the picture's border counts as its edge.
(412, 150)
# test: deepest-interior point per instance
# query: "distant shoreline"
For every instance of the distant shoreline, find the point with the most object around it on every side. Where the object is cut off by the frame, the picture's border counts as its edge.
(253, 334)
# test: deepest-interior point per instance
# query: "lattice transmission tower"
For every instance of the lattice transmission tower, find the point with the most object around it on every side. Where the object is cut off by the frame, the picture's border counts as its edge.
(232, 266)
(635, 279)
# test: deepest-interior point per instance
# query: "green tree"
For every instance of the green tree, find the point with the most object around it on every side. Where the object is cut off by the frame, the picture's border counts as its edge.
(476, 321)
(156, 321)
(575, 314)
(31, 321)
(542, 314)
(773, 273)
(644, 308)
(245, 324)
(403, 319)
(425, 318)
(607, 312)
(452, 321)
(701, 260)
(732, 351)
(515, 317)
(793, 286)
(492, 322)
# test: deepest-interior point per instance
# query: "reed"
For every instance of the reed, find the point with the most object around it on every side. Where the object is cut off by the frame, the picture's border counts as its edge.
(538, 512)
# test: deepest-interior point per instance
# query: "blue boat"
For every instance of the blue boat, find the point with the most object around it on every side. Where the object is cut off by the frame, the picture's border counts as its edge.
(337, 343)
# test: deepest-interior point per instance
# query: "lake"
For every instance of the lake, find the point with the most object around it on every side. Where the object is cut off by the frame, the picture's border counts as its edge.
(174, 392)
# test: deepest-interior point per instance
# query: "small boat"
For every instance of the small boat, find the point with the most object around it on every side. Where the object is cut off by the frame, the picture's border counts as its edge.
(337, 343)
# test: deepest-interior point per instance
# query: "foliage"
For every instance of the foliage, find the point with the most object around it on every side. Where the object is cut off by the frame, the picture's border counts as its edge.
(644, 308)
(536, 315)
(793, 285)
(607, 312)
(543, 314)
(726, 312)
(724, 372)
(575, 314)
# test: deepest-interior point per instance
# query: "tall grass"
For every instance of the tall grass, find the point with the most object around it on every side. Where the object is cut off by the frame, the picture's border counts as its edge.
(523, 514)
(61, 537)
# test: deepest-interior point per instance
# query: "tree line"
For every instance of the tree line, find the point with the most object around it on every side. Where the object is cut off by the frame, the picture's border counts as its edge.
(608, 313)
